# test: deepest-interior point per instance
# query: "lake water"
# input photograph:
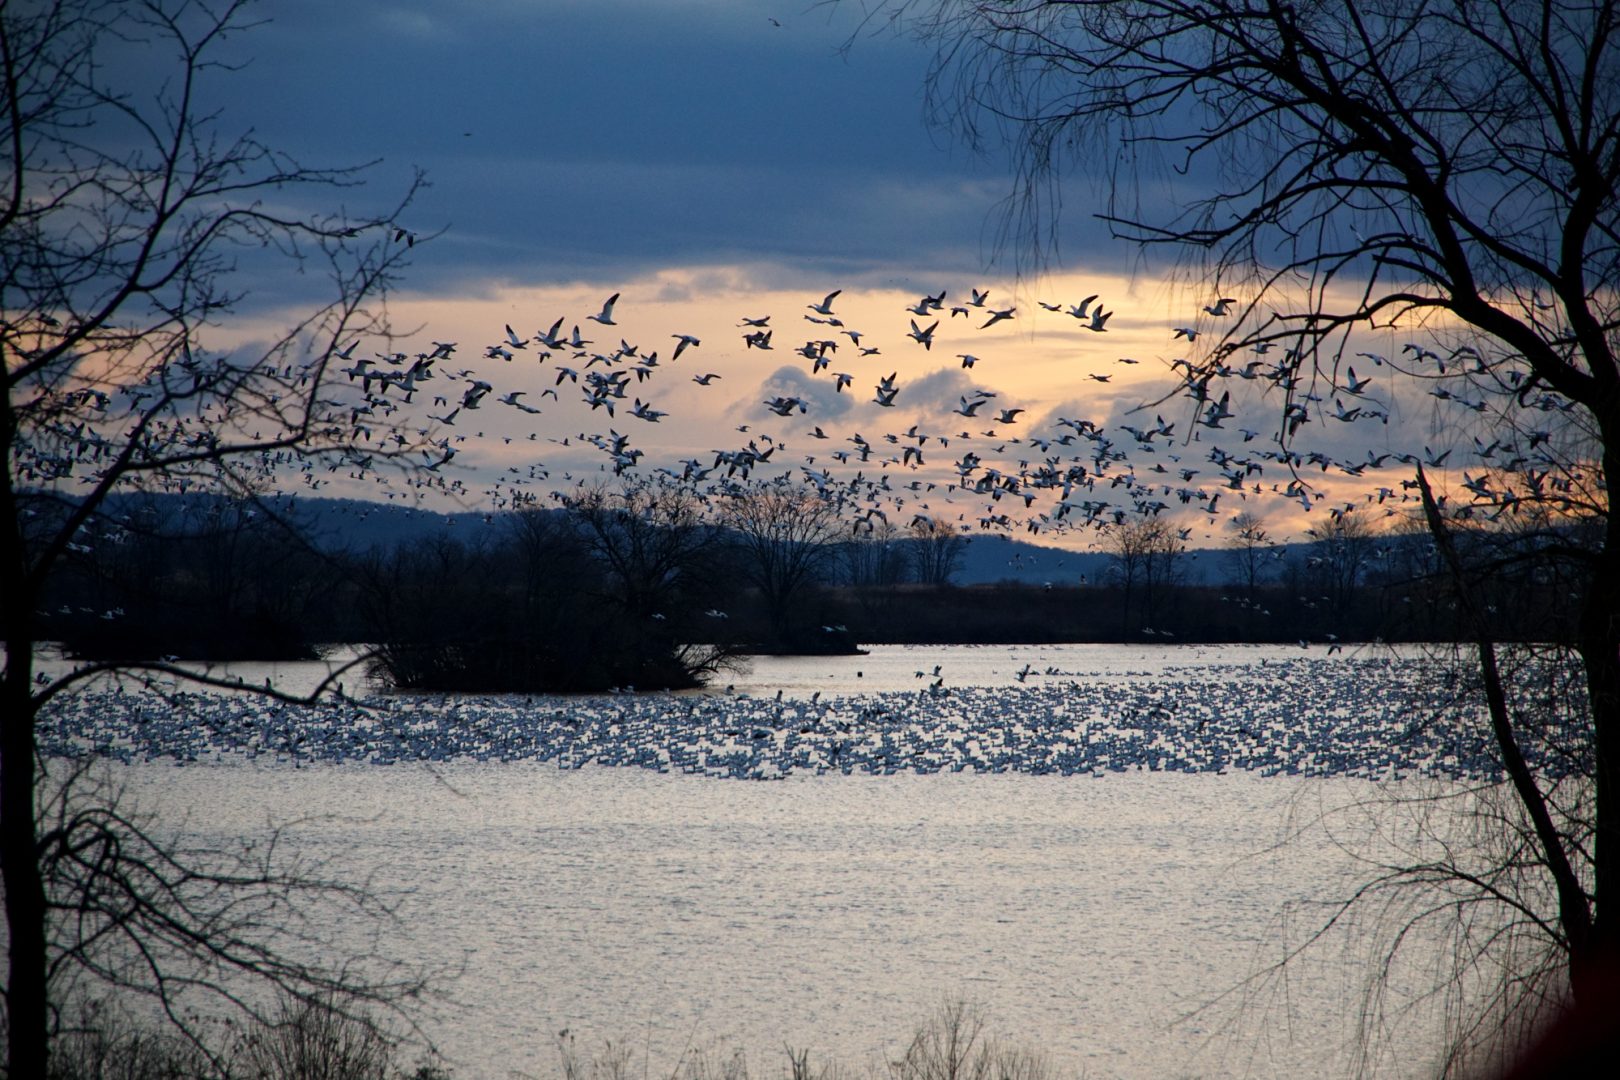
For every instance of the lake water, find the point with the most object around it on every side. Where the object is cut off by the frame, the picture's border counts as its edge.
(1107, 919)
(884, 668)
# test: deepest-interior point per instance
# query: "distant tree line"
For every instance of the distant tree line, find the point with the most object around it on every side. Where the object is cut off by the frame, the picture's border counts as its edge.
(202, 578)
(636, 585)
(643, 585)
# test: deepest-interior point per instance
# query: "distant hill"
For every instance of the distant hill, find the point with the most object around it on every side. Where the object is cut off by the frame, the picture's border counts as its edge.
(333, 524)
(359, 525)
(356, 524)
(992, 558)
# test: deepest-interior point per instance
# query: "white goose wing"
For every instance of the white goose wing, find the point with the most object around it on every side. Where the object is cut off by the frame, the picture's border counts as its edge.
(606, 315)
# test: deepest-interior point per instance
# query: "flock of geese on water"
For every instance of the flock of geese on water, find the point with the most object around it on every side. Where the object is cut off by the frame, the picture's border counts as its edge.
(1368, 716)
(980, 465)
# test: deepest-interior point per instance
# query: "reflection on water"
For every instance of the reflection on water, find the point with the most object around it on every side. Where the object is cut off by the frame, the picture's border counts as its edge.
(833, 912)
(882, 669)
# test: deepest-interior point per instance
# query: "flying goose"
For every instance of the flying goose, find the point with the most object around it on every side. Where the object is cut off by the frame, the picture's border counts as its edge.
(605, 316)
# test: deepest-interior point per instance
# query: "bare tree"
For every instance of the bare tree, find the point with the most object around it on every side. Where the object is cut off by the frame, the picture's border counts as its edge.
(1448, 167)
(1250, 547)
(661, 556)
(1343, 551)
(138, 913)
(551, 563)
(785, 532)
(1125, 544)
(124, 210)
(1145, 558)
(652, 534)
(198, 577)
(437, 624)
(873, 558)
(936, 550)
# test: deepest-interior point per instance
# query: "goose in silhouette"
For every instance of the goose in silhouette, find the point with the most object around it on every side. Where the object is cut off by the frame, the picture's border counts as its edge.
(783, 406)
(1218, 411)
(998, 316)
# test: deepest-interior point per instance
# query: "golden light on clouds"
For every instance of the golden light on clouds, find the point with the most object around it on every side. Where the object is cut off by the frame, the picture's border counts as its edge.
(1056, 398)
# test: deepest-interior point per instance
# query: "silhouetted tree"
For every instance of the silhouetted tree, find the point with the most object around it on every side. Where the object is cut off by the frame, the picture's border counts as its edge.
(208, 577)
(785, 533)
(1250, 550)
(936, 550)
(1343, 552)
(124, 210)
(1338, 166)
(1144, 557)
(551, 565)
(440, 612)
(663, 568)
(653, 536)
(874, 558)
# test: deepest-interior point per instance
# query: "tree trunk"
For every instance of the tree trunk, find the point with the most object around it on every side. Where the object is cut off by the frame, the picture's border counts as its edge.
(25, 890)
(1575, 916)
(26, 1015)
(1600, 652)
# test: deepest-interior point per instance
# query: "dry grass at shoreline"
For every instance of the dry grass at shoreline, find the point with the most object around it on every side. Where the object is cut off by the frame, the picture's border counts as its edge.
(314, 1041)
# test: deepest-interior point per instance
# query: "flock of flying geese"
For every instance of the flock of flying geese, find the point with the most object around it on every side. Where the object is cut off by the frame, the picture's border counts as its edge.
(980, 466)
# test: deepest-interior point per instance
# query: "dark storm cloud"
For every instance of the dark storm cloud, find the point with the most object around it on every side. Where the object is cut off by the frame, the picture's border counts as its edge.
(570, 140)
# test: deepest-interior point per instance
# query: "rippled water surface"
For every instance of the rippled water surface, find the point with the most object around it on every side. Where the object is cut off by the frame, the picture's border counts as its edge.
(1091, 915)
(1106, 919)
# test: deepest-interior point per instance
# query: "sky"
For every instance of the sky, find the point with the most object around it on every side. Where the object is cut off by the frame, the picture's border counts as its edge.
(600, 141)
(711, 162)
